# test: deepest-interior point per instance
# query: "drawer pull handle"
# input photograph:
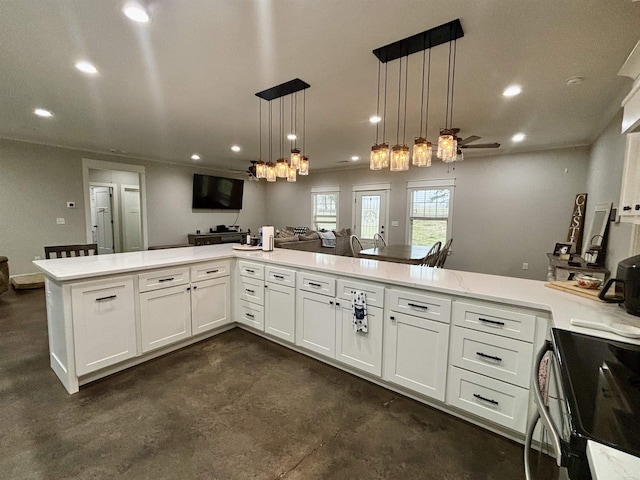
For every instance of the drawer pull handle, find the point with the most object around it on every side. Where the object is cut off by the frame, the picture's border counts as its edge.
(492, 322)
(250, 315)
(166, 279)
(626, 208)
(480, 397)
(249, 270)
(490, 357)
(415, 305)
(279, 277)
(250, 291)
(337, 304)
(110, 297)
(317, 285)
(392, 318)
(212, 271)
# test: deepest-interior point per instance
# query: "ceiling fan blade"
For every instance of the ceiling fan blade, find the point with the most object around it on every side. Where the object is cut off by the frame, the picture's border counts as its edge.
(481, 145)
(472, 138)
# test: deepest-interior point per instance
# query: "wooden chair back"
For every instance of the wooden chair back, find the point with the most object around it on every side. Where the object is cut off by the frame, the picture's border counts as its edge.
(66, 251)
(356, 246)
(379, 241)
(431, 257)
(444, 253)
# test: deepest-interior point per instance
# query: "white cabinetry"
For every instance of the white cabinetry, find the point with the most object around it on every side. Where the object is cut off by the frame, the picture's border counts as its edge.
(316, 313)
(250, 290)
(490, 365)
(165, 316)
(280, 303)
(104, 323)
(210, 302)
(630, 192)
(417, 341)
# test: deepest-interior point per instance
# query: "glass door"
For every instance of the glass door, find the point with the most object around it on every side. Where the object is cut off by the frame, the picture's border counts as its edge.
(371, 215)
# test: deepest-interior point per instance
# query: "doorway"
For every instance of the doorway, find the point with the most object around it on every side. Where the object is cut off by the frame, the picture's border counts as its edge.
(102, 213)
(370, 214)
(131, 218)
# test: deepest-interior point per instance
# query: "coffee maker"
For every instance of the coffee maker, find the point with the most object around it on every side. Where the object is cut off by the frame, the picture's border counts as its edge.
(627, 286)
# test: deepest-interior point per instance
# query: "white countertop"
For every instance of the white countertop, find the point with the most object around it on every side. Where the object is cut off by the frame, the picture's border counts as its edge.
(607, 463)
(516, 291)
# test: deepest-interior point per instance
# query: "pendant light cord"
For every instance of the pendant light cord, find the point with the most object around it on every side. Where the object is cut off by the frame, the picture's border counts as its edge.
(453, 81)
(304, 121)
(406, 87)
(426, 115)
(446, 115)
(295, 144)
(378, 104)
(424, 54)
(260, 123)
(399, 88)
(281, 124)
(270, 131)
(384, 123)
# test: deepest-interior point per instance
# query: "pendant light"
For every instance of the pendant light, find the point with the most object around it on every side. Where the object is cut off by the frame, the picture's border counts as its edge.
(383, 148)
(304, 160)
(447, 141)
(261, 169)
(422, 148)
(281, 163)
(374, 159)
(291, 173)
(400, 153)
(295, 153)
(270, 167)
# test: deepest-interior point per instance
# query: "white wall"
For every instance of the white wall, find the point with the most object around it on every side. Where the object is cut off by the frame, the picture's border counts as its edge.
(603, 184)
(36, 181)
(508, 209)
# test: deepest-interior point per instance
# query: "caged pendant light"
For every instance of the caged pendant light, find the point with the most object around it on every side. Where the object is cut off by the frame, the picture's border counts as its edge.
(400, 153)
(447, 141)
(422, 148)
(295, 153)
(304, 160)
(261, 168)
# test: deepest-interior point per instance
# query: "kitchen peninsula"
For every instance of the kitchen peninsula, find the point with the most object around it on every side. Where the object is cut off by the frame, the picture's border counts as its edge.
(423, 322)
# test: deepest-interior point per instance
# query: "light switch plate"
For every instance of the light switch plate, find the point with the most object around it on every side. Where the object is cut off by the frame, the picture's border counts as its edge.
(60, 221)
(394, 223)
(71, 204)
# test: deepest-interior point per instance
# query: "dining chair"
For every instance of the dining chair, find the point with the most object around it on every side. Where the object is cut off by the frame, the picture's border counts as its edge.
(356, 246)
(444, 253)
(379, 241)
(431, 257)
(66, 251)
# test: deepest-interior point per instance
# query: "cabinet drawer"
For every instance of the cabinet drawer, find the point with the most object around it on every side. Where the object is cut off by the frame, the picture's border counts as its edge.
(502, 358)
(251, 290)
(317, 284)
(281, 276)
(496, 401)
(167, 277)
(251, 314)
(374, 293)
(507, 323)
(209, 270)
(253, 270)
(419, 305)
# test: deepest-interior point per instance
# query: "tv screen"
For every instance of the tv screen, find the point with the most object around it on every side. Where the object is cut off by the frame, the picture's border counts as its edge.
(217, 192)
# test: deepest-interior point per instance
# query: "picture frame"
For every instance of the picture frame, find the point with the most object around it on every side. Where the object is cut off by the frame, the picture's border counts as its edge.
(562, 248)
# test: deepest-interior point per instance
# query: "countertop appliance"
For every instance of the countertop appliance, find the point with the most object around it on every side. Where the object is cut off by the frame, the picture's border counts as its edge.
(268, 235)
(599, 395)
(627, 285)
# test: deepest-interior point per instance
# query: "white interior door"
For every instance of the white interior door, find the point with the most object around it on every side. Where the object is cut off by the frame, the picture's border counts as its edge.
(370, 215)
(102, 216)
(131, 218)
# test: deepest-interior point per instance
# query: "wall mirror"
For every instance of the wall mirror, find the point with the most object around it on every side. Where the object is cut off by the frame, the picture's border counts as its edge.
(597, 227)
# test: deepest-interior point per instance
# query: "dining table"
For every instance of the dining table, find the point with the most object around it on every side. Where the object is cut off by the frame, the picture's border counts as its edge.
(411, 254)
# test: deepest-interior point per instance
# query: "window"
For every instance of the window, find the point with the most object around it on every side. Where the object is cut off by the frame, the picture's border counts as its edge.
(324, 204)
(430, 208)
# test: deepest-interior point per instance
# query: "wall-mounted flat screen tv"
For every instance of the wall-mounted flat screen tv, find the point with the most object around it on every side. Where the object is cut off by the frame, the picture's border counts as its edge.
(217, 192)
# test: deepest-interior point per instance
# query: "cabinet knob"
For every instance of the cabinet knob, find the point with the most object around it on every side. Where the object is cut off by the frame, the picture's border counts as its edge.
(188, 289)
(392, 318)
(330, 302)
(637, 206)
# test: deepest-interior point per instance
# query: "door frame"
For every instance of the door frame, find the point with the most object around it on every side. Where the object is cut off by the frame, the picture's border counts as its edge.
(371, 187)
(89, 164)
(123, 188)
(115, 213)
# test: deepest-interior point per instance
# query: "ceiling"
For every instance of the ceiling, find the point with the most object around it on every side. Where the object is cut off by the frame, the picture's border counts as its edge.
(186, 81)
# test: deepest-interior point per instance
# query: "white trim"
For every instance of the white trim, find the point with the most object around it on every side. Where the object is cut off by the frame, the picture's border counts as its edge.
(102, 165)
(451, 189)
(371, 187)
(433, 183)
(329, 189)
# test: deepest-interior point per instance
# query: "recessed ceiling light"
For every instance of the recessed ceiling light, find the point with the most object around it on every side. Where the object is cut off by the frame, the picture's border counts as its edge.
(86, 67)
(235, 148)
(355, 158)
(512, 91)
(577, 80)
(375, 119)
(518, 137)
(195, 156)
(136, 12)
(41, 112)
(291, 136)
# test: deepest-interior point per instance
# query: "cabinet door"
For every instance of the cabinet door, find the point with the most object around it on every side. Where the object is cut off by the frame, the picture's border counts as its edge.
(280, 318)
(415, 354)
(104, 323)
(630, 191)
(358, 349)
(210, 302)
(316, 323)
(165, 317)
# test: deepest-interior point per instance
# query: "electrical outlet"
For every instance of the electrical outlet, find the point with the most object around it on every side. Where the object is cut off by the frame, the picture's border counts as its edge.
(71, 204)
(60, 221)
(525, 266)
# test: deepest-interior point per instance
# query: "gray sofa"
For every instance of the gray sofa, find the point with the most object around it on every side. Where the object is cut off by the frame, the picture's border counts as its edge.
(311, 242)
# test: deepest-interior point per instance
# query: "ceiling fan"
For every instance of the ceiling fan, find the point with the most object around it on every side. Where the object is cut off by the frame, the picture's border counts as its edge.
(251, 171)
(464, 143)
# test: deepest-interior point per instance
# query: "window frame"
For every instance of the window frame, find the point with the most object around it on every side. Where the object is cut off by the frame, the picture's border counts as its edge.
(324, 191)
(436, 184)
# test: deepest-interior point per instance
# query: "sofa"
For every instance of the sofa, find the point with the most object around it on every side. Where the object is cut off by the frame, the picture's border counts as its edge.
(310, 241)
(4, 274)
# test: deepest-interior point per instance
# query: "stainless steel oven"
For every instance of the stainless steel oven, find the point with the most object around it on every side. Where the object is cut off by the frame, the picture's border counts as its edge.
(598, 383)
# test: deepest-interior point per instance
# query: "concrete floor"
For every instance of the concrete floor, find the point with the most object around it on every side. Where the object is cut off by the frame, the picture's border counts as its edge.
(232, 407)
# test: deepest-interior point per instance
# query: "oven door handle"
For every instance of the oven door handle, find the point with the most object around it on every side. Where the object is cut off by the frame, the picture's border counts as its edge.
(542, 413)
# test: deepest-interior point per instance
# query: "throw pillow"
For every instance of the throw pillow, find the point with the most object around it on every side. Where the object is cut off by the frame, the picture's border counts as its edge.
(300, 230)
(310, 236)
